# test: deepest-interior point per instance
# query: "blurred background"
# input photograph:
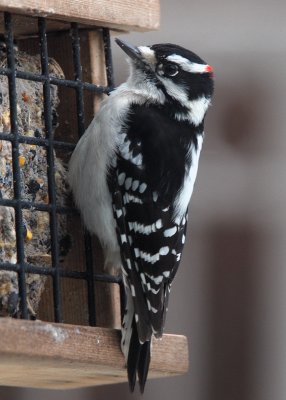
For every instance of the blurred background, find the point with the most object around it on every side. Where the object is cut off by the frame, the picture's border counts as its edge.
(229, 296)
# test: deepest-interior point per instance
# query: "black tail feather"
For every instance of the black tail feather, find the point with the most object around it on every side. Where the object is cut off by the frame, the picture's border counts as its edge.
(138, 362)
(133, 357)
(143, 365)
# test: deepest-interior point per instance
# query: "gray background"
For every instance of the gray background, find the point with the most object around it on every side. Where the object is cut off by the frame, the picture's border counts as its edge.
(229, 295)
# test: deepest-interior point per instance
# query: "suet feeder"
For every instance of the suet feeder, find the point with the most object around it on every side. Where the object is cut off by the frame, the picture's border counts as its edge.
(60, 311)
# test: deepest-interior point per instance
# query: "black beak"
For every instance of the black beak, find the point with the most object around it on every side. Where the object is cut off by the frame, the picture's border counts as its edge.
(130, 50)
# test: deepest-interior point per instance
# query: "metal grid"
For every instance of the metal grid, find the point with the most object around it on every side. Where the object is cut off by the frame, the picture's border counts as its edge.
(49, 143)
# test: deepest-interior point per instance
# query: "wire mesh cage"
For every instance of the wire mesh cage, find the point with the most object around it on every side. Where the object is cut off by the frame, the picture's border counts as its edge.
(48, 266)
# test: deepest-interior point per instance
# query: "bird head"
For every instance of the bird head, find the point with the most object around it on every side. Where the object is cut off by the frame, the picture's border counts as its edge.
(171, 74)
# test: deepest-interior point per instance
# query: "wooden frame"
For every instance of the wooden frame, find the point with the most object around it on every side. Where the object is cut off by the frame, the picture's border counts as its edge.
(60, 356)
(116, 14)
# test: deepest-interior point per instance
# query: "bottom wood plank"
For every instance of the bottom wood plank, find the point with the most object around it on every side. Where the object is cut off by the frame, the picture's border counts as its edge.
(59, 356)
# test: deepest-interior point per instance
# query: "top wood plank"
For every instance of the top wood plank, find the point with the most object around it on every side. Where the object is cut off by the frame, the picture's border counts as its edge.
(126, 15)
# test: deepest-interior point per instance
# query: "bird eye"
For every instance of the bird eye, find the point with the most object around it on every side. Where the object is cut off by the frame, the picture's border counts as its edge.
(168, 69)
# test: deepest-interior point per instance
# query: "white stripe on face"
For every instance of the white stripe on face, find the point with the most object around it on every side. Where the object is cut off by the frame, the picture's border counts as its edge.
(187, 65)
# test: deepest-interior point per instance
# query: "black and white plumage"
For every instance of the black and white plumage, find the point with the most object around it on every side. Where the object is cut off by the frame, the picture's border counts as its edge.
(132, 175)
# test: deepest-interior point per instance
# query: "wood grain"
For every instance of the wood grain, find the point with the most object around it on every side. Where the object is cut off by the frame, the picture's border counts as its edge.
(60, 356)
(126, 15)
(26, 26)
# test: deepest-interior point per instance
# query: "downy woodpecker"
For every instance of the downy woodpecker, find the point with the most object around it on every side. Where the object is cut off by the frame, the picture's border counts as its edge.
(132, 176)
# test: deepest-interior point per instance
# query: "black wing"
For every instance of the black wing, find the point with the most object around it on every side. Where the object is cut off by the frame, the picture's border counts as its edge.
(149, 172)
(151, 246)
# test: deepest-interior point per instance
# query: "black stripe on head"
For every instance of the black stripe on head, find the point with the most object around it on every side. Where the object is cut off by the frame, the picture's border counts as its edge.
(166, 49)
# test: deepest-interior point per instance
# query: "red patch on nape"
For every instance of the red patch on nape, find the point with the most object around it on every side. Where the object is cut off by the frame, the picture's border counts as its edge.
(209, 69)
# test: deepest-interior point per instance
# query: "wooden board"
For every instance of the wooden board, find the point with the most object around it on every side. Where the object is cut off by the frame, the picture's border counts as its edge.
(25, 26)
(60, 356)
(126, 15)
